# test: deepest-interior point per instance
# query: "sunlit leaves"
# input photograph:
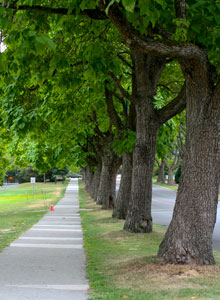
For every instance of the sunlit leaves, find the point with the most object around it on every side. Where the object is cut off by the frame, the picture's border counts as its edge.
(129, 5)
(3, 63)
(205, 25)
(45, 41)
(162, 3)
(126, 144)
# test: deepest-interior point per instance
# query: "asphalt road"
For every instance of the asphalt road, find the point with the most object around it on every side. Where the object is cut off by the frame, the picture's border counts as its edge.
(162, 210)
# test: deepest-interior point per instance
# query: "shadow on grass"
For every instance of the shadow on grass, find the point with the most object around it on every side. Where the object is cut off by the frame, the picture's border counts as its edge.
(109, 220)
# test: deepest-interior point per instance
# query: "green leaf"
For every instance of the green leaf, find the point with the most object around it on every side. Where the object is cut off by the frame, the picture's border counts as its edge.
(129, 5)
(162, 3)
(30, 2)
(196, 27)
(31, 33)
(217, 19)
(44, 40)
(3, 63)
(109, 5)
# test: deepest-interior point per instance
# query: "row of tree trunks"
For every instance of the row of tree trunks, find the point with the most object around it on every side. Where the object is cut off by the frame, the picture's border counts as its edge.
(101, 183)
(88, 175)
(95, 182)
(124, 193)
(189, 236)
(107, 187)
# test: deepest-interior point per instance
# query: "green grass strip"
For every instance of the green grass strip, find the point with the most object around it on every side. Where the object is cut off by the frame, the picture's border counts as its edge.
(20, 196)
(19, 214)
(171, 187)
(123, 265)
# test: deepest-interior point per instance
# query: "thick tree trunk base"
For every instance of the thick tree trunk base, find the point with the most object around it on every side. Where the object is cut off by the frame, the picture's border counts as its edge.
(120, 215)
(185, 254)
(188, 239)
(139, 226)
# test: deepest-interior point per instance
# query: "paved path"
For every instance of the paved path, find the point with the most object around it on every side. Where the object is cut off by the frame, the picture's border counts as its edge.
(48, 261)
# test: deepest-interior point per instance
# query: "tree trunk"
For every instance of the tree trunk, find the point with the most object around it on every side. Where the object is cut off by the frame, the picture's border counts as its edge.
(147, 73)
(88, 178)
(124, 193)
(170, 176)
(96, 182)
(161, 177)
(106, 193)
(189, 236)
(139, 217)
(83, 171)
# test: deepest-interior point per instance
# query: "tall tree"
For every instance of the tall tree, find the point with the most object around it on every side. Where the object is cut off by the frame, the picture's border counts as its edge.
(164, 30)
(148, 120)
(189, 237)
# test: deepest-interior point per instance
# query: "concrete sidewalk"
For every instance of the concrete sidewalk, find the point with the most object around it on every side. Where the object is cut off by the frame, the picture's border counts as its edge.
(48, 261)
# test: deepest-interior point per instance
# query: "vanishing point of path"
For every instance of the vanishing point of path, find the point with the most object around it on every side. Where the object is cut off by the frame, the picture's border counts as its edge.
(48, 261)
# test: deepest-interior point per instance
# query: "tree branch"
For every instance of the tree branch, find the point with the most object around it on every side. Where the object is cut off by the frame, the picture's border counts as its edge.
(133, 38)
(140, 43)
(95, 14)
(125, 61)
(180, 7)
(157, 161)
(173, 108)
(121, 99)
(120, 87)
(166, 86)
(111, 110)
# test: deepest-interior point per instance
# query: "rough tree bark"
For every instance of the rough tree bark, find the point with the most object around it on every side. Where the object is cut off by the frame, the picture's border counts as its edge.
(88, 177)
(170, 176)
(189, 236)
(97, 169)
(106, 193)
(124, 193)
(96, 181)
(147, 71)
(161, 177)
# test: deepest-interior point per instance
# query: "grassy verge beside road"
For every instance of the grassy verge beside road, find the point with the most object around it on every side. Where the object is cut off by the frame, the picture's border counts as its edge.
(172, 187)
(19, 209)
(122, 265)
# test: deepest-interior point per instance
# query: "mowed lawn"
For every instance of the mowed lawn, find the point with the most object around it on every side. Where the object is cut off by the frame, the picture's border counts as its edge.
(21, 207)
(122, 265)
